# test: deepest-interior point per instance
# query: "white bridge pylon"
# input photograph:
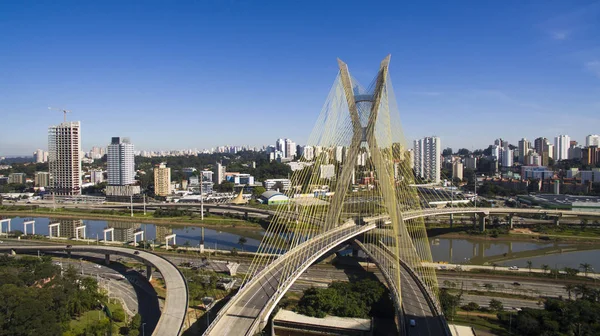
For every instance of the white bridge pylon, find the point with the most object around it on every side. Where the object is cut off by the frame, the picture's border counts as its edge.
(112, 233)
(7, 221)
(169, 237)
(77, 229)
(50, 227)
(25, 224)
(136, 235)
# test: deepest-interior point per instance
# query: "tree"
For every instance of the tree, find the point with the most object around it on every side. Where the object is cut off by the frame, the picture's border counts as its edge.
(529, 265)
(118, 314)
(545, 268)
(135, 324)
(257, 191)
(569, 288)
(586, 268)
(571, 272)
(278, 186)
(242, 241)
(447, 151)
(496, 305)
(449, 303)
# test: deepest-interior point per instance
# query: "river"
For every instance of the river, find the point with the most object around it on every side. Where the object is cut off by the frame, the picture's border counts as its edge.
(124, 232)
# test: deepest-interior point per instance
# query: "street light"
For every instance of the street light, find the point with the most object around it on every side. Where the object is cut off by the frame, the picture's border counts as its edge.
(143, 329)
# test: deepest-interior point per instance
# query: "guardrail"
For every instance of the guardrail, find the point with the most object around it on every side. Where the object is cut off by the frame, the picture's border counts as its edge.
(435, 308)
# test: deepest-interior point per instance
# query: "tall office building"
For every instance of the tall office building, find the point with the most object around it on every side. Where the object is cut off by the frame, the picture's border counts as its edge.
(457, 170)
(290, 149)
(162, 180)
(308, 153)
(427, 164)
(592, 140)
(120, 162)
(64, 158)
(280, 146)
(523, 150)
(219, 173)
(561, 147)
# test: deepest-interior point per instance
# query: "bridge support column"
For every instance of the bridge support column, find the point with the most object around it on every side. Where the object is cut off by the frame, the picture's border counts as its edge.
(451, 220)
(510, 221)
(557, 221)
(149, 272)
(107, 259)
(482, 219)
(474, 220)
(246, 215)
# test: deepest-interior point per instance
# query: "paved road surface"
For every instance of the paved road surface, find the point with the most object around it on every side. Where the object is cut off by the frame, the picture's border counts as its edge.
(176, 303)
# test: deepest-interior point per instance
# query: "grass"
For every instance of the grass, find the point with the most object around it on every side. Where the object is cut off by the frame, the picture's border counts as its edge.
(138, 217)
(77, 326)
(482, 322)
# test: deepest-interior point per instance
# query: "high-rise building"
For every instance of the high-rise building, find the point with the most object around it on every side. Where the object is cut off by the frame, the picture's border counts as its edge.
(591, 155)
(308, 153)
(162, 180)
(64, 158)
(219, 173)
(592, 140)
(561, 147)
(507, 155)
(120, 162)
(427, 164)
(280, 146)
(290, 149)
(340, 151)
(471, 163)
(40, 156)
(96, 176)
(457, 170)
(41, 179)
(523, 150)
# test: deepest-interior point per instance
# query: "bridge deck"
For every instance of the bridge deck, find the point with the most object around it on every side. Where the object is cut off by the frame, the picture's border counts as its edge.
(176, 303)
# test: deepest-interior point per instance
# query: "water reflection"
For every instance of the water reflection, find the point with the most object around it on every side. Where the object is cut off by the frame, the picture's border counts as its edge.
(125, 231)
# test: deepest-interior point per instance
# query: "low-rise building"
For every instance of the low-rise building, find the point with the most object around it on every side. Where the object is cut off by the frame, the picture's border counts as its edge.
(270, 184)
(17, 178)
(41, 179)
(272, 197)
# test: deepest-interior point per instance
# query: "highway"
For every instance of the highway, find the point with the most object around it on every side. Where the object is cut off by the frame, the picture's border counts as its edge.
(176, 303)
(255, 301)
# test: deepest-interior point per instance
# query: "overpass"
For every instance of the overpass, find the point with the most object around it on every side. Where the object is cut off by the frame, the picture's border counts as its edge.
(176, 302)
(417, 302)
(248, 311)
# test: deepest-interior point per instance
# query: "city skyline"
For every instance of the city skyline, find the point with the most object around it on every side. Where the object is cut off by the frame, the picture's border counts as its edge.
(245, 74)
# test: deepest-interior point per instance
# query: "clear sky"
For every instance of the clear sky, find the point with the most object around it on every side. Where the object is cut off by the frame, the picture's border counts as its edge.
(196, 74)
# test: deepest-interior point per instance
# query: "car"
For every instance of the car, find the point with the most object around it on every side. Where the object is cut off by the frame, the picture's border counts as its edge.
(69, 246)
(516, 284)
(513, 268)
(1, 242)
(413, 323)
(98, 266)
(136, 252)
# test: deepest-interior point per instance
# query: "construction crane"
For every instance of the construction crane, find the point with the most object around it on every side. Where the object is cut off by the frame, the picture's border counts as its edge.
(61, 110)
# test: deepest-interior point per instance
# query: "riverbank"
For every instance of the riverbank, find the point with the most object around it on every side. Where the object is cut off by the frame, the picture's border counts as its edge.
(208, 222)
(572, 237)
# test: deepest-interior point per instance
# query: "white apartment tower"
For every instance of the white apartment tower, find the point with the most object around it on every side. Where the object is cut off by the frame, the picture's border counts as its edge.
(280, 146)
(592, 140)
(427, 164)
(219, 173)
(290, 149)
(120, 162)
(64, 158)
(561, 147)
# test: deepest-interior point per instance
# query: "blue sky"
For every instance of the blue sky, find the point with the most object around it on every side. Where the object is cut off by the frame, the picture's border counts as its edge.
(196, 74)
